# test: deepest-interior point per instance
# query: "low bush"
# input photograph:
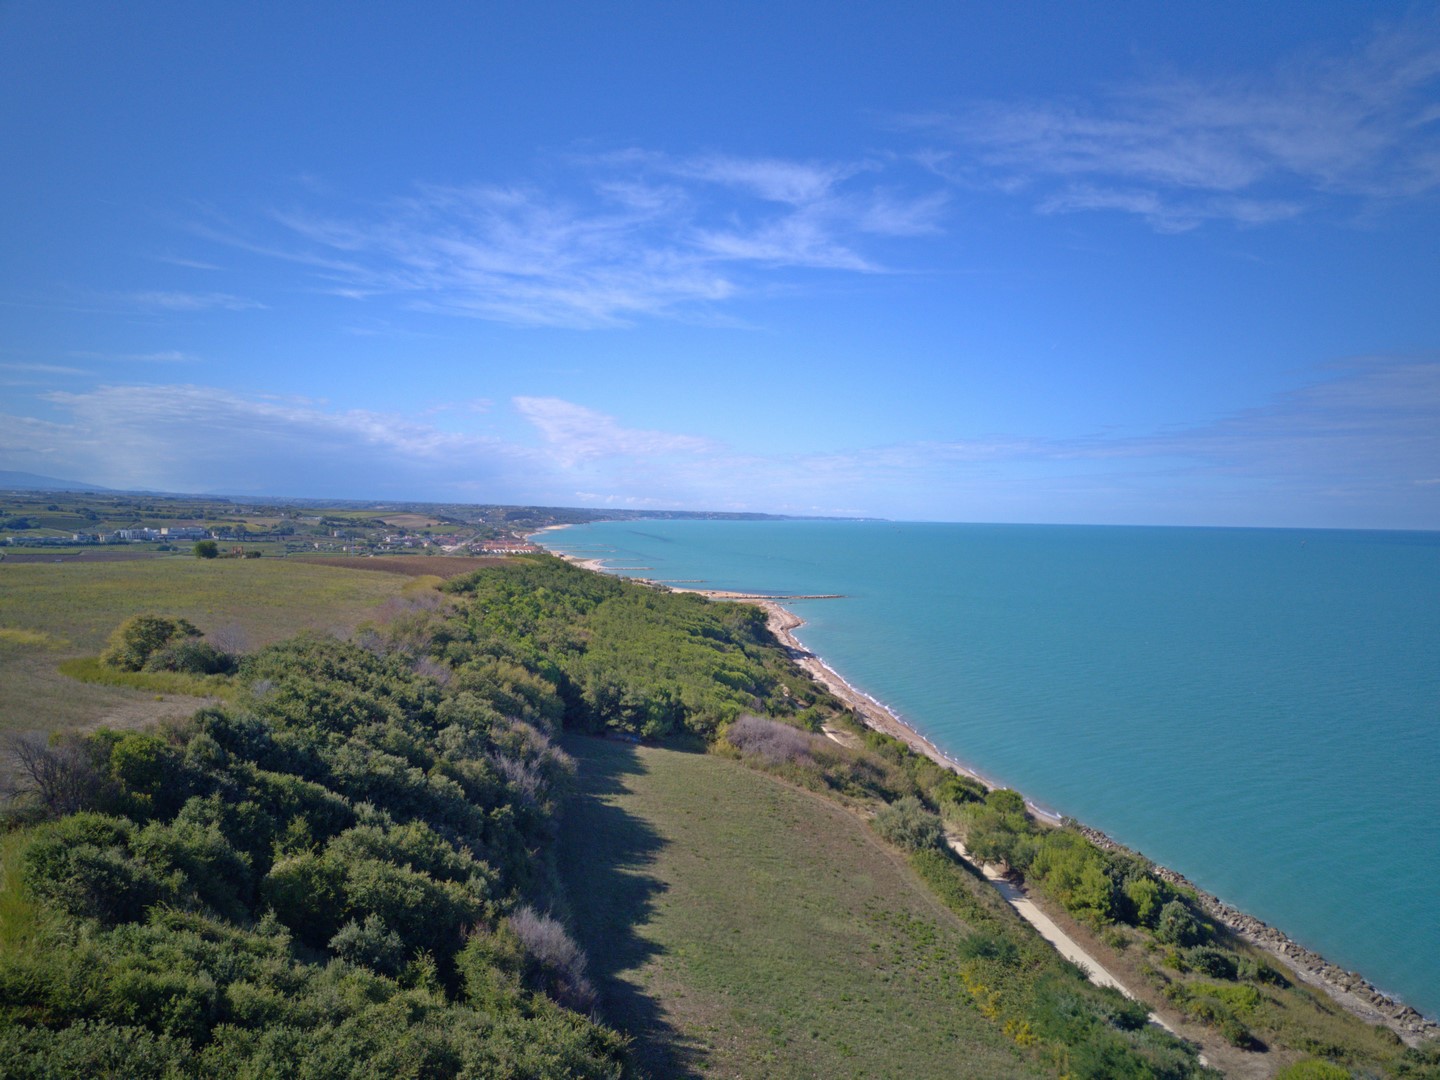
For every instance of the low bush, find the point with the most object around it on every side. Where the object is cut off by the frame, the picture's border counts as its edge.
(909, 824)
(84, 866)
(370, 943)
(769, 739)
(138, 637)
(1177, 925)
(1212, 961)
(192, 658)
(556, 965)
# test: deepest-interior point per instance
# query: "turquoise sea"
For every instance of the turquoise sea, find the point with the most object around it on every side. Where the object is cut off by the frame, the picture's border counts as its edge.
(1258, 709)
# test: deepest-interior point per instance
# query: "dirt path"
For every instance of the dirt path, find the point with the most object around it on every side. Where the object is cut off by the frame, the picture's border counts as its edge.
(1064, 944)
(1017, 898)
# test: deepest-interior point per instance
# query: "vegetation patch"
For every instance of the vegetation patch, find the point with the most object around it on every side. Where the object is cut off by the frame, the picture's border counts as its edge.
(349, 868)
(35, 639)
(442, 566)
(91, 669)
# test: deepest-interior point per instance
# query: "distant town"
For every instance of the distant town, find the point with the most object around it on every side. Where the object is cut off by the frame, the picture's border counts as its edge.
(73, 522)
(103, 524)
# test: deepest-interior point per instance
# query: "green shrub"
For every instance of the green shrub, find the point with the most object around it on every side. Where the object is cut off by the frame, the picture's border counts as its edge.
(135, 639)
(957, 790)
(907, 823)
(307, 894)
(214, 873)
(1074, 871)
(151, 774)
(1257, 969)
(428, 915)
(1145, 896)
(491, 966)
(192, 658)
(1235, 1032)
(90, 1048)
(1177, 925)
(1212, 961)
(83, 865)
(371, 943)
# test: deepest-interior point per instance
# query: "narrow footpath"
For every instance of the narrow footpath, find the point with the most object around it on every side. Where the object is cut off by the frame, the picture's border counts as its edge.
(1064, 944)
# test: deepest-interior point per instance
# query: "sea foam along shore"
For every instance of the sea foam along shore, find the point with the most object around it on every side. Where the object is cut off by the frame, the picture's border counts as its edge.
(1347, 988)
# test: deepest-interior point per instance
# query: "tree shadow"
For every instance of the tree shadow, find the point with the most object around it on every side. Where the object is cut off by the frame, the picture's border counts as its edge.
(605, 853)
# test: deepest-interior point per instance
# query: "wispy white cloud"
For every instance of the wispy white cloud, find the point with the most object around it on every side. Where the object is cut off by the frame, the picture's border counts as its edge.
(43, 369)
(1166, 213)
(614, 239)
(1375, 423)
(164, 356)
(798, 183)
(187, 263)
(163, 300)
(1251, 148)
(576, 434)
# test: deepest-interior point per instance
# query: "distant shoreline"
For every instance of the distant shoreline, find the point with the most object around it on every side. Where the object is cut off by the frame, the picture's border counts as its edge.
(1348, 989)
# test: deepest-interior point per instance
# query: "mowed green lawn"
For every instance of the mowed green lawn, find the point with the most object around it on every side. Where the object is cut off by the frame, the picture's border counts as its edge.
(737, 926)
(53, 611)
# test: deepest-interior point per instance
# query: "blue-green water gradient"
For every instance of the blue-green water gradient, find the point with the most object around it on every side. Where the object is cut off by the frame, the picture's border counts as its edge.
(1258, 709)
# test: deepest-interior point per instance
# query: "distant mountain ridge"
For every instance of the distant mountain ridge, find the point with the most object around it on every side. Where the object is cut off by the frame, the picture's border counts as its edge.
(24, 481)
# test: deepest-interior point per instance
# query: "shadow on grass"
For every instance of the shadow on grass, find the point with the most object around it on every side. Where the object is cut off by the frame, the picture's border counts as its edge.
(605, 853)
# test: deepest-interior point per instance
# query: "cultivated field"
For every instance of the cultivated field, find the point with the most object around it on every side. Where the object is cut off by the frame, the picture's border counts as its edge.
(737, 926)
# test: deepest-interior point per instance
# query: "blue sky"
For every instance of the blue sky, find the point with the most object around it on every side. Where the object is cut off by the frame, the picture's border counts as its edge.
(1113, 263)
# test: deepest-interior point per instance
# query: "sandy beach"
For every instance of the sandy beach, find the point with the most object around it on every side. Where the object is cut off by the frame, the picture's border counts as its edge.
(783, 622)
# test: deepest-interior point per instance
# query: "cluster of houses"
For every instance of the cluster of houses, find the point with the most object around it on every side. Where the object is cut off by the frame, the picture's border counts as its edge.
(506, 547)
(166, 533)
(455, 541)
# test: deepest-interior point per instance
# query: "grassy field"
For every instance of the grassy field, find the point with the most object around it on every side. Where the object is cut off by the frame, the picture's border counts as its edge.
(439, 567)
(52, 612)
(737, 926)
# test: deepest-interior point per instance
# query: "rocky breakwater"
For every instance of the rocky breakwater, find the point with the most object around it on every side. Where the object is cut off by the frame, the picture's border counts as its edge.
(1349, 988)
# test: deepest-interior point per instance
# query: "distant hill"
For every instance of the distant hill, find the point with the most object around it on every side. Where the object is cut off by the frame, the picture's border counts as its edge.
(24, 481)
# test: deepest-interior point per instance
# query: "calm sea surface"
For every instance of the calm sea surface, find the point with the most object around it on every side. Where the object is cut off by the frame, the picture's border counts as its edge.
(1259, 709)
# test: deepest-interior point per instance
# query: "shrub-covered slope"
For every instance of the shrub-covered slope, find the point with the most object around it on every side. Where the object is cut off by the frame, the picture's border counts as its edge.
(338, 877)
